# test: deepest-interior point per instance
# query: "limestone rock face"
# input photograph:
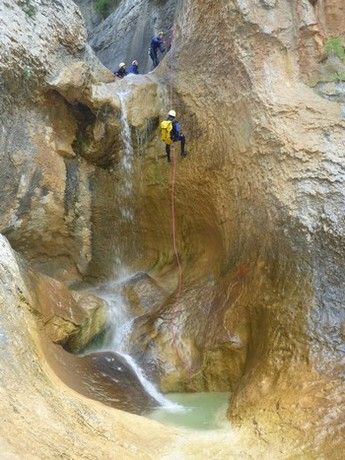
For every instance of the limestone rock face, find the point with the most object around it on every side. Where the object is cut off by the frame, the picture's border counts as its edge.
(259, 224)
(67, 317)
(331, 16)
(126, 34)
(46, 202)
(319, 20)
(90, 14)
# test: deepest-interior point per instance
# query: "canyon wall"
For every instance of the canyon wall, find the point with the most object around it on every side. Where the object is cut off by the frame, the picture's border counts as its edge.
(126, 33)
(45, 205)
(259, 203)
(260, 231)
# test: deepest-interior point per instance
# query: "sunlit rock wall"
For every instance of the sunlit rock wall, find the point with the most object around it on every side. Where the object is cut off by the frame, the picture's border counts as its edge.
(46, 200)
(260, 227)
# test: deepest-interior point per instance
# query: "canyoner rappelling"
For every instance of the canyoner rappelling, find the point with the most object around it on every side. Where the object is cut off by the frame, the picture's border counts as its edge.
(171, 132)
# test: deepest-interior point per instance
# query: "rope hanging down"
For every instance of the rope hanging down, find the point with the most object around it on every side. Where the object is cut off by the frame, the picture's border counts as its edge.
(173, 221)
(177, 311)
(173, 206)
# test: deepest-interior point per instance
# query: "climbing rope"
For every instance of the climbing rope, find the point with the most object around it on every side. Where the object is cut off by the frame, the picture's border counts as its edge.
(173, 221)
(176, 311)
(173, 197)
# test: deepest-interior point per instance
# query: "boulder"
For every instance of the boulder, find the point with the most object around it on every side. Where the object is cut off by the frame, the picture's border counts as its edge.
(68, 318)
(74, 82)
(143, 294)
(104, 376)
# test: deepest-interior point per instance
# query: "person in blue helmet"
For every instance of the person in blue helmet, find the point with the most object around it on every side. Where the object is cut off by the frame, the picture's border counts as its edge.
(156, 45)
(134, 68)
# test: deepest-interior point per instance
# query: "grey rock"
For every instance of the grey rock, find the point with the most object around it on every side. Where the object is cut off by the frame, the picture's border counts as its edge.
(125, 35)
(333, 91)
(269, 3)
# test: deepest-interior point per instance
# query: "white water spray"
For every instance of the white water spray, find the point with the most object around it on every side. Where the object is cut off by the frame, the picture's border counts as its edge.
(126, 164)
(149, 387)
(121, 321)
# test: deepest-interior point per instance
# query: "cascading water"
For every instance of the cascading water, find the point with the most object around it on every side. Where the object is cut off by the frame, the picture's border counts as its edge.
(126, 164)
(120, 323)
(121, 318)
(125, 187)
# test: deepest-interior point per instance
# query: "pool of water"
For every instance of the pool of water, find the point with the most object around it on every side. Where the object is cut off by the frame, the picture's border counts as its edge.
(198, 411)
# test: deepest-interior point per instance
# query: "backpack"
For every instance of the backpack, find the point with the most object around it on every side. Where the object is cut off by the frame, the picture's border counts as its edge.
(166, 131)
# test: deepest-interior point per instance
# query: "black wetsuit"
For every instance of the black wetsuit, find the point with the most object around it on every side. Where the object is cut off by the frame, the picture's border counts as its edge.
(122, 72)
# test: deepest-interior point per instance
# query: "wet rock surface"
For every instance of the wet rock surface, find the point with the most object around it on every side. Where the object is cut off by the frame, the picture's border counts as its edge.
(105, 377)
(143, 294)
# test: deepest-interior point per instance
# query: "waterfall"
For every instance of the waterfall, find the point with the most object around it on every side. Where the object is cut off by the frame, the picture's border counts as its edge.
(121, 321)
(149, 387)
(126, 163)
(125, 185)
(121, 318)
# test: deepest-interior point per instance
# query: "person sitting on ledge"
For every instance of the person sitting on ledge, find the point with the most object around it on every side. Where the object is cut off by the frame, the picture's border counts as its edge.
(122, 72)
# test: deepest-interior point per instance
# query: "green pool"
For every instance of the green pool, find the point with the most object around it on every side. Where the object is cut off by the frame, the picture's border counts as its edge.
(199, 411)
